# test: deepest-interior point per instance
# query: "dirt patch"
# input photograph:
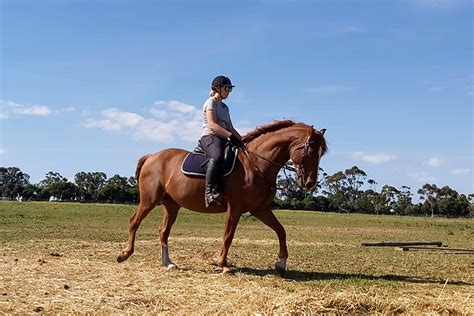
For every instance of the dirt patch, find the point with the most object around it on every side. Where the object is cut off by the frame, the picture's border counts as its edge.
(86, 279)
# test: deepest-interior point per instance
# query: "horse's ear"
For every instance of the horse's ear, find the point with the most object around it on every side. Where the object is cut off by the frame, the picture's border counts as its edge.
(322, 131)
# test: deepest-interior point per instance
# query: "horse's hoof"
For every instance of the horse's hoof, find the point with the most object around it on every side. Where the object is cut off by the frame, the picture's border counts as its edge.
(227, 271)
(121, 257)
(280, 270)
(171, 267)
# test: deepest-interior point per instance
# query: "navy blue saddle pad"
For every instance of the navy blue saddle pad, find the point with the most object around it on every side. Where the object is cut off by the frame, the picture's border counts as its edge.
(195, 163)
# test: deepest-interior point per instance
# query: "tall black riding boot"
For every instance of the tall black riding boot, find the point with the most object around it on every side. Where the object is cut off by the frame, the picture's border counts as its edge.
(213, 174)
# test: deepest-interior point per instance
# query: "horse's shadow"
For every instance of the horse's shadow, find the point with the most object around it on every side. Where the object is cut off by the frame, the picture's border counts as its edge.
(303, 276)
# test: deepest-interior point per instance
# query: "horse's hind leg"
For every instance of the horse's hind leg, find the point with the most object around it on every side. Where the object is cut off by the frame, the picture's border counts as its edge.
(169, 217)
(146, 205)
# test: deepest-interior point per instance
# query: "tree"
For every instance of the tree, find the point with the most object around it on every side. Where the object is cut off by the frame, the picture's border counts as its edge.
(413, 210)
(134, 192)
(428, 193)
(321, 179)
(290, 190)
(354, 180)
(451, 203)
(389, 199)
(52, 178)
(116, 190)
(58, 186)
(363, 204)
(470, 198)
(342, 188)
(12, 182)
(335, 183)
(322, 203)
(404, 199)
(336, 192)
(296, 204)
(373, 184)
(89, 184)
(30, 192)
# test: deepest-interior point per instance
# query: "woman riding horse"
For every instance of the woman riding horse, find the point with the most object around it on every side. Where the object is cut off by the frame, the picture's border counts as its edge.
(251, 186)
(217, 130)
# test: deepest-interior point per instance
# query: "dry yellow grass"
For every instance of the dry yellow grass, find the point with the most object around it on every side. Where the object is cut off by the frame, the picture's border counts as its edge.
(59, 261)
(85, 279)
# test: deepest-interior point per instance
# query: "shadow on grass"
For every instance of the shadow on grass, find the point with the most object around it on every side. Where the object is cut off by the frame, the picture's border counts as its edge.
(303, 276)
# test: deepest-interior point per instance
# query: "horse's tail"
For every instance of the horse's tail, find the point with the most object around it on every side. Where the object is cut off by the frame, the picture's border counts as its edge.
(140, 165)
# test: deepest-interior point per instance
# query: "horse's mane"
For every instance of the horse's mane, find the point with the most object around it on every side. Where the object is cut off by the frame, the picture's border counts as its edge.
(266, 128)
(277, 125)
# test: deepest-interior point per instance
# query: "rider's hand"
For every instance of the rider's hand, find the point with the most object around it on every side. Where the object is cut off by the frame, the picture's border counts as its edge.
(235, 141)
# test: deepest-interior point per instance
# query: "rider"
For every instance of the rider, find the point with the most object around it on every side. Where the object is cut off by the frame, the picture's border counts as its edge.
(217, 130)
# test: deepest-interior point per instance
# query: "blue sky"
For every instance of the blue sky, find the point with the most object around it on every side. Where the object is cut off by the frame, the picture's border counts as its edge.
(94, 85)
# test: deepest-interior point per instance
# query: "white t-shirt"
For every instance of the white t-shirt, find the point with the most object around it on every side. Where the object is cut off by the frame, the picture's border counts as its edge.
(222, 115)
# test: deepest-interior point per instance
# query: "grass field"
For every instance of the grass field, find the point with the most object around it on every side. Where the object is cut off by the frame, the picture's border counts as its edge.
(61, 258)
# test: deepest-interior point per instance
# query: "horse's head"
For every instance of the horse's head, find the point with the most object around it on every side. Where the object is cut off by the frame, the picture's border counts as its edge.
(306, 154)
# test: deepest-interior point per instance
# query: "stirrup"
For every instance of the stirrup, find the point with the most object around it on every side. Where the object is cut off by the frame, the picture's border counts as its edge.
(213, 199)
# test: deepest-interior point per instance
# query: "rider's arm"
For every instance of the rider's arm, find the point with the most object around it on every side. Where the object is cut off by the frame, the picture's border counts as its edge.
(216, 128)
(234, 131)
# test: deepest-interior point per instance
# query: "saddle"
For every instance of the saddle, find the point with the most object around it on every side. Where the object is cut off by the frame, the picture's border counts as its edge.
(195, 163)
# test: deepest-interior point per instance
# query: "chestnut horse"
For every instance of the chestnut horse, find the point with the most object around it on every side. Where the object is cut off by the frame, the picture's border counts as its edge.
(251, 187)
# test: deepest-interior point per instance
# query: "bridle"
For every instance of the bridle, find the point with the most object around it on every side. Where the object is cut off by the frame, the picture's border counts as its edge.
(299, 167)
(305, 147)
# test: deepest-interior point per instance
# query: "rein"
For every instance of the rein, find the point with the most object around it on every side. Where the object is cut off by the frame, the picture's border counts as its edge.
(285, 167)
(304, 146)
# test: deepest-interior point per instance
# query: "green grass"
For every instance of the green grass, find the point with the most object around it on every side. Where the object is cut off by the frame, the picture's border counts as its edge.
(316, 240)
(324, 248)
(106, 222)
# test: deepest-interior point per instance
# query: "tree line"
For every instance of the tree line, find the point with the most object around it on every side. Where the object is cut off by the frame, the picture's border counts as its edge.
(87, 187)
(342, 192)
(339, 192)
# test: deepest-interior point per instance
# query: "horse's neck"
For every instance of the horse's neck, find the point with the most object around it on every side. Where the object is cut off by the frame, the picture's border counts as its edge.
(275, 147)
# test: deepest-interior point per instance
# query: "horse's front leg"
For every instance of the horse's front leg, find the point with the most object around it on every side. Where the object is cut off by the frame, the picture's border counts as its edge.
(232, 219)
(269, 219)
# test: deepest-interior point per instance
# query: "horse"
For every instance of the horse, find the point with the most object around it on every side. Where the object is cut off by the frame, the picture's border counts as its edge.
(251, 186)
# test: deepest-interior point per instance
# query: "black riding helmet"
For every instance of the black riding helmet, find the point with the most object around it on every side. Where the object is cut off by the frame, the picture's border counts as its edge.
(221, 81)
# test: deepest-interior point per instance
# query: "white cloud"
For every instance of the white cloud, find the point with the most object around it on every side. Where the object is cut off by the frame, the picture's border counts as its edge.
(461, 171)
(170, 120)
(8, 108)
(2, 151)
(35, 110)
(328, 89)
(422, 177)
(373, 158)
(433, 162)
